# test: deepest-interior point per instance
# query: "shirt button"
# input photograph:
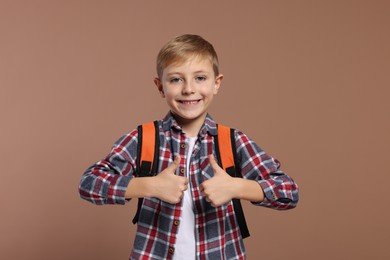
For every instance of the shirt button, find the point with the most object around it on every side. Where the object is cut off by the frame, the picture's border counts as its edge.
(183, 146)
(182, 170)
(171, 250)
(176, 222)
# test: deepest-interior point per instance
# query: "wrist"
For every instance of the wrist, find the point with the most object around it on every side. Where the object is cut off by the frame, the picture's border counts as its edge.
(248, 190)
(141, 187)
(151, 186)
(238, 188)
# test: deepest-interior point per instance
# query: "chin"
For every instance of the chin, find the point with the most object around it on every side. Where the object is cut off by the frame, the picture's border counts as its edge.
(188, 116)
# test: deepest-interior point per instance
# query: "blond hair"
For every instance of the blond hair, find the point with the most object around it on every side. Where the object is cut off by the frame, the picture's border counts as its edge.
(180, 48)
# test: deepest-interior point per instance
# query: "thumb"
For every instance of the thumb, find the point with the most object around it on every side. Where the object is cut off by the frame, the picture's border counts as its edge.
(175, 164)
(214, 163)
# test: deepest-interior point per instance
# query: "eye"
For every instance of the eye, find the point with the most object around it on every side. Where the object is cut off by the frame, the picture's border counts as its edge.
(200, 78)
(175, 80)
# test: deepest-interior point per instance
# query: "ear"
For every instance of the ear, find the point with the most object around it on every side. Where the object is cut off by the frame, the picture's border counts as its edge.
(218, 81)
(159, 86)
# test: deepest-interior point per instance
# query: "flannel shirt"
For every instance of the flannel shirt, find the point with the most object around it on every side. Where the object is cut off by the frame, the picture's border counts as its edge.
(217, 231)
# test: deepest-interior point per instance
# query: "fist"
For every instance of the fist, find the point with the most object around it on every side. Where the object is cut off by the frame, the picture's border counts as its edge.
(168, 186)
(220, 188)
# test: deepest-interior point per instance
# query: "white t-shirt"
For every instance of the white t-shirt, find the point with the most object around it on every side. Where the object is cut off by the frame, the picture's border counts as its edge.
(185, 238)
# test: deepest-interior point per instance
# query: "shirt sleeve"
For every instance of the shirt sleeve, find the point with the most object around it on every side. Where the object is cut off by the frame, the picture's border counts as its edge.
(280, 190)
(106, 181)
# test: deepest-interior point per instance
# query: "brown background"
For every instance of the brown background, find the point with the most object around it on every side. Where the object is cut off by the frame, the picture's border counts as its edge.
(308, 80)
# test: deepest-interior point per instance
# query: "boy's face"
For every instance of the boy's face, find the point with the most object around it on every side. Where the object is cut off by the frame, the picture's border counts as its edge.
(189, 88)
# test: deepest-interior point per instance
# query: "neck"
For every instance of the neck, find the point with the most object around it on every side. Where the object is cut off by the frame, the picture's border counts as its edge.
(191, 126)
(191, 131)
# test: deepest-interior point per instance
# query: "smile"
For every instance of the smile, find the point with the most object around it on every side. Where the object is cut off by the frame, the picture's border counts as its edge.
(189, 102)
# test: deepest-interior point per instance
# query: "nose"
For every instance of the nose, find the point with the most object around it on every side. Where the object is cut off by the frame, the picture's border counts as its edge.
(188, 88)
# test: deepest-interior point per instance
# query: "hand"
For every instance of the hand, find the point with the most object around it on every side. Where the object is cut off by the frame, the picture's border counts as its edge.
(220, 188)
(168, 186)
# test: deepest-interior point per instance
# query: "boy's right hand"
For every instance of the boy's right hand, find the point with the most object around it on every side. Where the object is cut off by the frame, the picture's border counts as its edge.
(168, 186)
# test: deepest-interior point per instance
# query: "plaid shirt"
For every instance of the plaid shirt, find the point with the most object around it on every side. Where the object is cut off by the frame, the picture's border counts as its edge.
(217, 232)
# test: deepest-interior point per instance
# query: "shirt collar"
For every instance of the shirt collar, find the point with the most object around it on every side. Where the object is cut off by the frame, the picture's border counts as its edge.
(209, 125)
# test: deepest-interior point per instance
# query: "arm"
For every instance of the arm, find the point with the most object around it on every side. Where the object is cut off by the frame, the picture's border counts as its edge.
(113, 180)
(280, 191)
(106, 181)
(263, 183)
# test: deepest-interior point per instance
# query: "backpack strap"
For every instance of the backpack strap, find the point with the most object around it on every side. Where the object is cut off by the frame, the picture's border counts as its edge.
(226, 151)
(147, 155)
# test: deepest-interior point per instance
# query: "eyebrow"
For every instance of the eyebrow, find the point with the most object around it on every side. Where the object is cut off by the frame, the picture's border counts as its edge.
(195, 72)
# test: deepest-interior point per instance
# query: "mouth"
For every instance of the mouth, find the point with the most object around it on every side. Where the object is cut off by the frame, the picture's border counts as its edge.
(189, 102)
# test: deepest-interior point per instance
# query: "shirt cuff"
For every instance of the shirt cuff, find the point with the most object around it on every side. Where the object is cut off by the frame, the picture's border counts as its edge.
(274, 198)
(269, 193)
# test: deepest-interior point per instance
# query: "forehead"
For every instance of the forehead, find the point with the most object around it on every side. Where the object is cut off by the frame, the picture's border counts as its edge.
(192, 62)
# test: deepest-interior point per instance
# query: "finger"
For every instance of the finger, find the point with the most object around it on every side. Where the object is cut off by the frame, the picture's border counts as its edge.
(213, 163)
(175, 164)
(184, 185)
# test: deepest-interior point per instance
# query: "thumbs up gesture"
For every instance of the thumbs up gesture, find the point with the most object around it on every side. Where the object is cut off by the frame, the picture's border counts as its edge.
(219, 189)
(168, 186)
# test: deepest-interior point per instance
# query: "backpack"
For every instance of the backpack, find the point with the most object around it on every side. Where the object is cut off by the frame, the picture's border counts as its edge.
(226, 153)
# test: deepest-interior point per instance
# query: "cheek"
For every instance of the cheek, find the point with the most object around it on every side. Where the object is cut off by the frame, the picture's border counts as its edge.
(210, 91)
(169, 95)
(169, 87)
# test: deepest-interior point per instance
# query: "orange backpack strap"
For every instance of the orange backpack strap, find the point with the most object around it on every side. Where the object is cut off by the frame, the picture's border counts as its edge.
(226, 152)
(148, 147)
(147, 155)
(225, 149)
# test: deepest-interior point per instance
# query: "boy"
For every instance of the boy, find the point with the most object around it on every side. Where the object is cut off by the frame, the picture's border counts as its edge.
(187, 209)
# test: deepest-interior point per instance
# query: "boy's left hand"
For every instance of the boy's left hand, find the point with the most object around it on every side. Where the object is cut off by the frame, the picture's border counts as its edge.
(220, 188)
